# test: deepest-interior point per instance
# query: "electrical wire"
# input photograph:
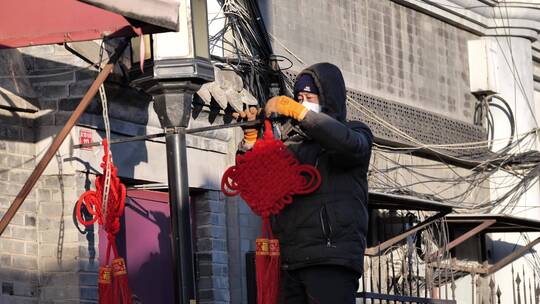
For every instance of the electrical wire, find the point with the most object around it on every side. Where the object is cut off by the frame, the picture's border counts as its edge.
(463, 189)
(246, 40)
(483, 173)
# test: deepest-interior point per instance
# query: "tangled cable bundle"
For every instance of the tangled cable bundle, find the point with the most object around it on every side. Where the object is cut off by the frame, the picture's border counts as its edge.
(266, 178)
(113, 284)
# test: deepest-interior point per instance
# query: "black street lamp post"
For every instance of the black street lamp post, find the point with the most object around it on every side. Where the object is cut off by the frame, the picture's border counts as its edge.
(179, 65)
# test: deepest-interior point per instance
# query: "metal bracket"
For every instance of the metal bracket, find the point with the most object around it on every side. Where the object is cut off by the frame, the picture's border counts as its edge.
(376, 250)
(484, 225)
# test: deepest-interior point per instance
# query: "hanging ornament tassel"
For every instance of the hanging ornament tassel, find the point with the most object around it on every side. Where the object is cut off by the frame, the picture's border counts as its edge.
(273, 270)
(262, 259)
(121, 288)
(105, 289)
(268, 273)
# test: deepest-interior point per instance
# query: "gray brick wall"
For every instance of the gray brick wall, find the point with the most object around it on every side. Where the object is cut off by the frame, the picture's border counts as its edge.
(44, 258)
(67, 259)
(211, 247)
(58, 78)
(383, 48)
(18, 246)
(243, 227)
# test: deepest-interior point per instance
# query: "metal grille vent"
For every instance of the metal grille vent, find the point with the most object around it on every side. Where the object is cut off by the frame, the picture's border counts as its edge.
(425, 126)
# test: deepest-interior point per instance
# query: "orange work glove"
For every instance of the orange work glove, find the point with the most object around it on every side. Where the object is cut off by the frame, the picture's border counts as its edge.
(250, 134)
(286, 106)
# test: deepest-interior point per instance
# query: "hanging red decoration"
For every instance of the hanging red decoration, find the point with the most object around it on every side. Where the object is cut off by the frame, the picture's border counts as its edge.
(266, 178)
(113, 284)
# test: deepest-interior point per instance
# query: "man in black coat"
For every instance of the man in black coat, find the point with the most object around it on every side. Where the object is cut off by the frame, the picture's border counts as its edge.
(322, 234)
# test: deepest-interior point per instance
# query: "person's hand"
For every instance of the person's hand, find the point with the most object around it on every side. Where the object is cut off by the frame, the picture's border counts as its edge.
(250, 133)
(286, 106)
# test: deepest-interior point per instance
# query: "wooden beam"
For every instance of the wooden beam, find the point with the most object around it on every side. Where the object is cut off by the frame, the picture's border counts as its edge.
(375, 250)
(57, 142)
(462, 238)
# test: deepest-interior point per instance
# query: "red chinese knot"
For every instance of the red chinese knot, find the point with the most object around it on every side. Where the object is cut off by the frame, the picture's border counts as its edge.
(267, 176)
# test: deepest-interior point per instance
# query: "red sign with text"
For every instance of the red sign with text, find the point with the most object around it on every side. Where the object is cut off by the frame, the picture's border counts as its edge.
(85, 137)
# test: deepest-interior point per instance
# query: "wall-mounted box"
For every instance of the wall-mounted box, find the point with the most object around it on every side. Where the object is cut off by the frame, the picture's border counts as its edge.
(482, 66)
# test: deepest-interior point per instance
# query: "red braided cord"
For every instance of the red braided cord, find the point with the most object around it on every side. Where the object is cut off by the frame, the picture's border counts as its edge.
(115, 203)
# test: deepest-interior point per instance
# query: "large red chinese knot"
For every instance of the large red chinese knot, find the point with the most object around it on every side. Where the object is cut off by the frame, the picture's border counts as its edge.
(267, 177)
(113, 284)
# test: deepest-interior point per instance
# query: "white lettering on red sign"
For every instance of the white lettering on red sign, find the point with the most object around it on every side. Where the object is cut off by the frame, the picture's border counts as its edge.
(85, 137)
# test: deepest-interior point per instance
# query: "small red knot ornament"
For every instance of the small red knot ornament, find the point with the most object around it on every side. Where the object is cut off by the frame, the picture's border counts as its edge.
(113, 284)
(267, 177)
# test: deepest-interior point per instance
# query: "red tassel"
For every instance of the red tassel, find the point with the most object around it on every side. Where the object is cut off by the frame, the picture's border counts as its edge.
(272, 272)
(105, 285)
(121, 286)
(261, 263)
(267, 263)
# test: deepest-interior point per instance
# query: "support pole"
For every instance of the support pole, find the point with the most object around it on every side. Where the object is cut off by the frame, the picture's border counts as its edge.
(57, 142)
(180, 217)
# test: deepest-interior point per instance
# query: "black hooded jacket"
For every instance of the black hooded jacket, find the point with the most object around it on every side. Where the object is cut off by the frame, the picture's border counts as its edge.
(328, 226)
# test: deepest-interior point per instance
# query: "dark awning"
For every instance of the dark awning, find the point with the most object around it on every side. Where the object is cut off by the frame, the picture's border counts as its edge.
(379, 200)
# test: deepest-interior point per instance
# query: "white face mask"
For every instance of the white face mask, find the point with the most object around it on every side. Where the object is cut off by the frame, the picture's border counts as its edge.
(315, 107)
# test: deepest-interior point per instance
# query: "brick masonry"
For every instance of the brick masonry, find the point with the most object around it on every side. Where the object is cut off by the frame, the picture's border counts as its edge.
(211, 247)
(44, 258)
(18, 247)
(67, 259)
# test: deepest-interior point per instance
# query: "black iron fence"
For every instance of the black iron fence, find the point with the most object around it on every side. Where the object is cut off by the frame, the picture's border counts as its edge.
(412, 273)
(400, 276)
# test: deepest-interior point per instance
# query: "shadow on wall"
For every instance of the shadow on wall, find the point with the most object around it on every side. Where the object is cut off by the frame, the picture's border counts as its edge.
(147, 249)
(15, 91)
(53, 81)
(58, 81)
(501, 249)
(88, 231)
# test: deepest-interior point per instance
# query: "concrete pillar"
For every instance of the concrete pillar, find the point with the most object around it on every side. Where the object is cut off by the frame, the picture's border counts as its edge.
(512, 57)
(513, 66)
